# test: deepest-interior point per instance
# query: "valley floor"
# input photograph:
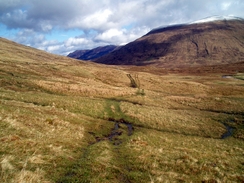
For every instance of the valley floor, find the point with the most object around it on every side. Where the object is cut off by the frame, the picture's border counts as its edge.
(84, 123)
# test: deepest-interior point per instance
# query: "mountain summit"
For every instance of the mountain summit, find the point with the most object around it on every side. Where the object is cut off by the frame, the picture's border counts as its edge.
(216, 18)
(205, 42)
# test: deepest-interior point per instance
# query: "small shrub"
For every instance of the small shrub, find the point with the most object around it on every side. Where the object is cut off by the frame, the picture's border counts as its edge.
(134, 82)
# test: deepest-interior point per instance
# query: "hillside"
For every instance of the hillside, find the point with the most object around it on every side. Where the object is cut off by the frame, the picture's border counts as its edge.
(92, 53)
(198, 44)
(63, 120)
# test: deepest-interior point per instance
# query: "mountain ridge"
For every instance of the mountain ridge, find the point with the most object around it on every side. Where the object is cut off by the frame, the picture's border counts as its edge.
(203, 20)
(216, 42)
(94, 53)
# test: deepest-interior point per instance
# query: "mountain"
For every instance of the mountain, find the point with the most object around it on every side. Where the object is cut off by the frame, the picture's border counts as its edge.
(212, 41)
(93, 53)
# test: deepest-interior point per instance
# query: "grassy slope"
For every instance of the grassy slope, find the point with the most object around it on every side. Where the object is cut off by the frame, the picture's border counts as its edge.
(54, 123)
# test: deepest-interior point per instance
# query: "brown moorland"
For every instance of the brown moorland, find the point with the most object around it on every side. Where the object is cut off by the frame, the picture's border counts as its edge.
(63, 120)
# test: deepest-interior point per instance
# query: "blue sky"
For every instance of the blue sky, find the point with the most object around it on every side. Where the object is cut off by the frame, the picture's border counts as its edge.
(61, 26)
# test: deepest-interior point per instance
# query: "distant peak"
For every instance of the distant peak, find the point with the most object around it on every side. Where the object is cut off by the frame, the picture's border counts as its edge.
(216, 18)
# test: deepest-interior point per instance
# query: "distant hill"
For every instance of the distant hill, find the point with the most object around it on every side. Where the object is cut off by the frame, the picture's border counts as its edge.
(93, 53)
(210, 42)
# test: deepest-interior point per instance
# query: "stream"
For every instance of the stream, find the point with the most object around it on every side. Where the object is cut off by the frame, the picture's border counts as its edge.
(120, 127)
(228, 133)
(118, 130)
(122, 121)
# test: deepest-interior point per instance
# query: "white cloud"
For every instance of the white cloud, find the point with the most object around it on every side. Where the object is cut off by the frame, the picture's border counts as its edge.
(29, 37)
(54, 48)
(111, 35)
(46, 26)
(97, 19)
(225, 5)
(121, 36)
(76, 41)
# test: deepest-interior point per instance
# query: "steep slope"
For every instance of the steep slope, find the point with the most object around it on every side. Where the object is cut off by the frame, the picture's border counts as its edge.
(93, 53)
(207, 43)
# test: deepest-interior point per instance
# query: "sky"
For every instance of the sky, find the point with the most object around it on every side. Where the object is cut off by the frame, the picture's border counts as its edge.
(63, 26)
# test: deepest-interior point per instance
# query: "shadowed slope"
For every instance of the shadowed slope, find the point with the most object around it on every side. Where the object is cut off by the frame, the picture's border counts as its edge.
(93, 53)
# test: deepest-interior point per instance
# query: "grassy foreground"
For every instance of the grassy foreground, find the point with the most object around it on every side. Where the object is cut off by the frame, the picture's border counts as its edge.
(58, 119)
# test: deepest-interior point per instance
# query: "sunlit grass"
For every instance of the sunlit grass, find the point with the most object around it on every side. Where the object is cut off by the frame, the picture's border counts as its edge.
(167, 157)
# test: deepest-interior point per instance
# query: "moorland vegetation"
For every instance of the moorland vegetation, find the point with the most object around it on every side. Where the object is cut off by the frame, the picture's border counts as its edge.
(63, 120)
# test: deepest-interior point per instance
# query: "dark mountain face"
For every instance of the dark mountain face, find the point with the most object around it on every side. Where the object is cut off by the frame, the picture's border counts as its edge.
(93, 53)
(211, 43)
